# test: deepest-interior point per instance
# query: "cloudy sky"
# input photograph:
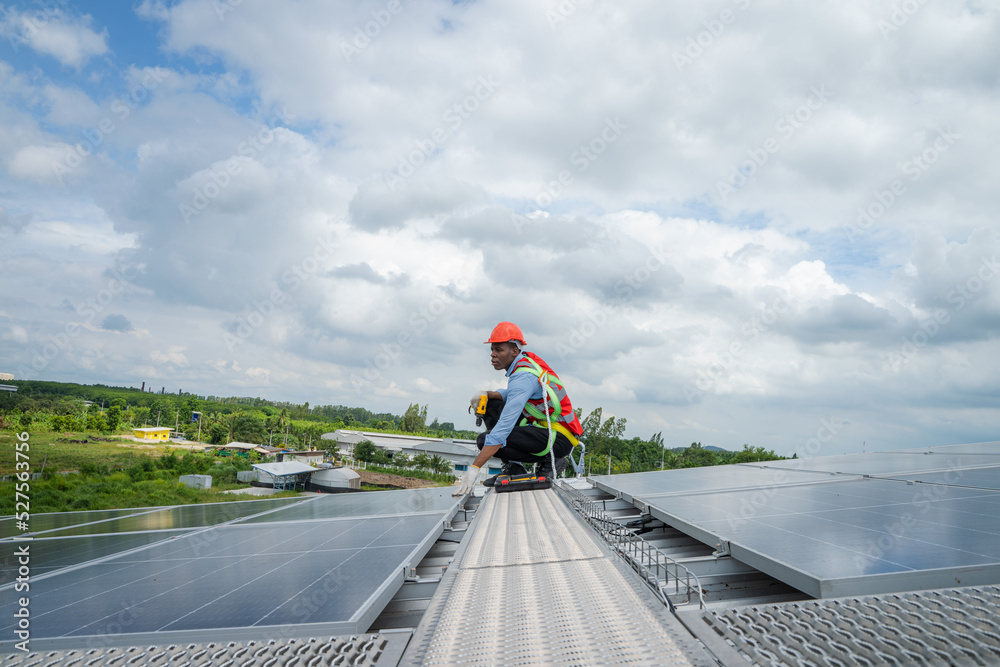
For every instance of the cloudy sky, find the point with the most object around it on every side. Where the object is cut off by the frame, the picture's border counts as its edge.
(738, 221)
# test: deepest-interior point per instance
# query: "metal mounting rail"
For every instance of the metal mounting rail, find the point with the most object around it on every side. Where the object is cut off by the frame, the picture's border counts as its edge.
(656, 568)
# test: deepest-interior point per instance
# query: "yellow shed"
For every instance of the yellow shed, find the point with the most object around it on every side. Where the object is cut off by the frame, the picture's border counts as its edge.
(152, 433)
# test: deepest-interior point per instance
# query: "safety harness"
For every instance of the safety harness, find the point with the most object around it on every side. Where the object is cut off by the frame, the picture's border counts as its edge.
(533, 416)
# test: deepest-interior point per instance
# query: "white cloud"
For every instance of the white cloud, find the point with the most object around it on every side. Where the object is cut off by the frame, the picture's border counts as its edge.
(744, 318)
(16, 333)
(259, 374)
(47, 29)
(38, 163)
(175, 355)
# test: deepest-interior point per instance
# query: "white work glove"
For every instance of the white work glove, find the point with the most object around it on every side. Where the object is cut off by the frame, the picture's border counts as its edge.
(468, 481)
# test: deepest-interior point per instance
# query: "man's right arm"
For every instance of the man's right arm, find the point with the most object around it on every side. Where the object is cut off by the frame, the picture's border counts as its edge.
(520, 387)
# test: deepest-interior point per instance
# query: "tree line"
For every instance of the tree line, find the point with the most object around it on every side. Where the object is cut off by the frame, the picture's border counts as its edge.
(65, 407)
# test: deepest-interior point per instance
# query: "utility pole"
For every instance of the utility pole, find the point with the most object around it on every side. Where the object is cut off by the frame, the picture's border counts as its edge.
(663, 449)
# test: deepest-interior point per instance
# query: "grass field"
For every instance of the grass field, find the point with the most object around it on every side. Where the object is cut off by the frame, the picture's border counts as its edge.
(118, 472)
(57, 452)
(111, 473)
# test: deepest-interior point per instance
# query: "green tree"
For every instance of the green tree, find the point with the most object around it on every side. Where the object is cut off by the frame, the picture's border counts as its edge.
(365, 451)
(95, 422)
(247, 428)
(414, 419)
(422, 461)
(440, 464)
(114, 418)
(603, 438)
(696, 456)
(218, 434)
(753, 454)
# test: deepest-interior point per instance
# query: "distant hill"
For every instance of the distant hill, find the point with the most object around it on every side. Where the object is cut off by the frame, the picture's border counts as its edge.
(711, 448)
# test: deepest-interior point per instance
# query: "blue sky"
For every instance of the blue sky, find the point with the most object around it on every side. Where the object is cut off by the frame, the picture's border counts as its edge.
(731, 222)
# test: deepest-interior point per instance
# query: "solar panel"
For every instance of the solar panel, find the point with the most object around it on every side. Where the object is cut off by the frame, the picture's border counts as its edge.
(712, 478)
(329, 575)
(821, 538)
(50, 520)
(180, 516)
(884, 463)
(50, 554)
(992, 448)
(979, 478)
(364, 504)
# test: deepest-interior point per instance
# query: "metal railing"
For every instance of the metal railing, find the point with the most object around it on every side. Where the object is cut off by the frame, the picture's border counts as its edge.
(659, 571)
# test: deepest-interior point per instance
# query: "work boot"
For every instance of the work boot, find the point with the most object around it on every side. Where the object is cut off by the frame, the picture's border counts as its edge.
(509, 469)
(545, 467)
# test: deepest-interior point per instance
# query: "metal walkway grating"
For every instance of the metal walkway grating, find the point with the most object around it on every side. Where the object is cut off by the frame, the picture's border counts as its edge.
(943, 627)
(536, 587)
(368, 649)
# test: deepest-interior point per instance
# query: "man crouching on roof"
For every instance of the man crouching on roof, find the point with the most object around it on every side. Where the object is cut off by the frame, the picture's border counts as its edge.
(517, 430)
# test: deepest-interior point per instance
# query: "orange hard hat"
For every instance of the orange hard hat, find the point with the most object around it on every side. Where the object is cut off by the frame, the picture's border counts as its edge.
(506, 332)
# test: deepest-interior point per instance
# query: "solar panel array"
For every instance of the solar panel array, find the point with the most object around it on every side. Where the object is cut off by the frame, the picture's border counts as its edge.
(276, 568)
(842, 525)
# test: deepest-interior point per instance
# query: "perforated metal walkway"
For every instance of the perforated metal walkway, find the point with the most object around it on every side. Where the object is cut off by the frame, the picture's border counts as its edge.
(959, 626)
(533, 585)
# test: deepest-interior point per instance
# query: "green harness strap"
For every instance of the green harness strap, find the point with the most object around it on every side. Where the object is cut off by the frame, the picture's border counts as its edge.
(548, 391)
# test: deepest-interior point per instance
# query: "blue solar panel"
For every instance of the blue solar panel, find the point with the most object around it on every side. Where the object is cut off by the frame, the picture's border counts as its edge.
(279, 570)
(885, 522)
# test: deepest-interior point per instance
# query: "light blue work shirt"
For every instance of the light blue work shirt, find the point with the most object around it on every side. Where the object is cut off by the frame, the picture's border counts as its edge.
(520, 388)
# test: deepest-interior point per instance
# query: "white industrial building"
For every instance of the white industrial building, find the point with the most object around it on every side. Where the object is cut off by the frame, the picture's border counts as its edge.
(460, 453)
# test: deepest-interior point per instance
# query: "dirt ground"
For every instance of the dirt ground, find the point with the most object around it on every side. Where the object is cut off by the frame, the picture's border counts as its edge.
(382, 479)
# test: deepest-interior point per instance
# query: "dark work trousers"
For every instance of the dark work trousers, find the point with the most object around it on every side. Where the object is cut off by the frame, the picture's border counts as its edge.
(524, 442)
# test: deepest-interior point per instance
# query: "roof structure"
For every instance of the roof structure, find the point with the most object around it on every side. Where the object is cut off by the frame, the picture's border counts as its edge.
(392, 441)
(777, 563)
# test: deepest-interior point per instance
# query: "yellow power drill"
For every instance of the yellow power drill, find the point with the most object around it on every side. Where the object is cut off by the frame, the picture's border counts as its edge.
(481, 409)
